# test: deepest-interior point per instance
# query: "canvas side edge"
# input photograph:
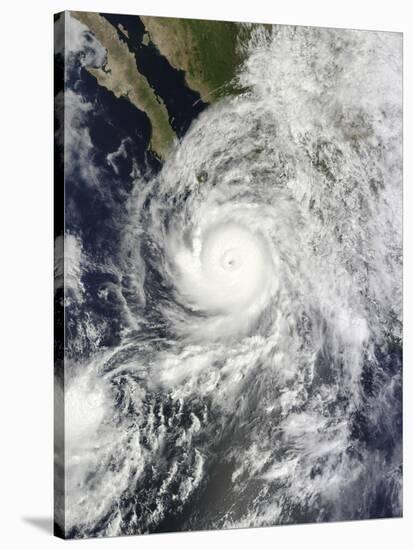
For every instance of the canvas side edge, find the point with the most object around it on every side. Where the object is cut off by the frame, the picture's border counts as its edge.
(58, 205)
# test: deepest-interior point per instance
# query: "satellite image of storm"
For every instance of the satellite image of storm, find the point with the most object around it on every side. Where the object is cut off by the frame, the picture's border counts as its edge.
(228, 275)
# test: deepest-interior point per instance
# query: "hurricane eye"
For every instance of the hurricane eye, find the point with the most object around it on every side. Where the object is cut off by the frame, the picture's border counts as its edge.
(231, 260)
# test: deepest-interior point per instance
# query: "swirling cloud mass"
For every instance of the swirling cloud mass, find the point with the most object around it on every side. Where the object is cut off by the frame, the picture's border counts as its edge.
(234, 311)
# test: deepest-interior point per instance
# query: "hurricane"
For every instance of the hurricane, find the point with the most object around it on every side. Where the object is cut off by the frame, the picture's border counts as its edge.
(255, 282)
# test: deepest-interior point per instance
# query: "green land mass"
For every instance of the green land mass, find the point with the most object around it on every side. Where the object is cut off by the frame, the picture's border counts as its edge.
(208, 51)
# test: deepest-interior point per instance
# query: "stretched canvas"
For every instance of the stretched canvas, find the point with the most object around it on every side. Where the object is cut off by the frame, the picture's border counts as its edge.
(228, 284)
